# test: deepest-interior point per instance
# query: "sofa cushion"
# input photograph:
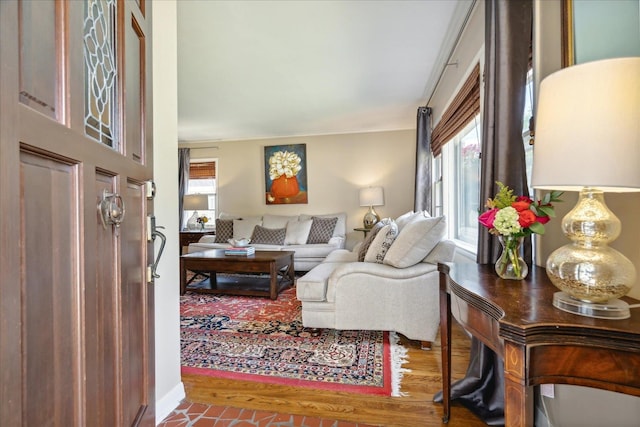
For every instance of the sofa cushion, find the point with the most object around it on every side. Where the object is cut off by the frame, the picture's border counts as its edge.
(321, 229)
(381, 244)
(319, 250)
(243, 228)
(415, 241)
(364, 247)
(277, 221)
(224, 230)
(297, 232)
(269, 236)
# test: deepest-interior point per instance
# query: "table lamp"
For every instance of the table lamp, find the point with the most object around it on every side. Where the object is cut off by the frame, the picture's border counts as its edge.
(195, 202)
(371, 196)
(588, 140)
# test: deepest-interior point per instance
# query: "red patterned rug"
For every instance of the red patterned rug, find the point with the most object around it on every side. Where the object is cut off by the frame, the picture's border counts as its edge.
(261, 340)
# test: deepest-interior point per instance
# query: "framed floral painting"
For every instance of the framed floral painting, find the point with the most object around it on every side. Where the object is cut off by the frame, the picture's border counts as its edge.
(285, 174)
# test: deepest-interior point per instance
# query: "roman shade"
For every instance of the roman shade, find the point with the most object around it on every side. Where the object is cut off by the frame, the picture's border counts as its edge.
(464, 107)
(202, 170)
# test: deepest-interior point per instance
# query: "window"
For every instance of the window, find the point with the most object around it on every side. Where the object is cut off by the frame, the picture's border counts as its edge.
(456, 175)
(202, 180)
(460, 183)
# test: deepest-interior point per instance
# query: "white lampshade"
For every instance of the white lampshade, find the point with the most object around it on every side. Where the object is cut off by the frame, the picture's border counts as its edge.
(196, 202)
(588, 139)
(371, 196)
(588, 127)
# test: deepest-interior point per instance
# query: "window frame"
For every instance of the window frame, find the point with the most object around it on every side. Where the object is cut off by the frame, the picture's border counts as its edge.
(212, 212)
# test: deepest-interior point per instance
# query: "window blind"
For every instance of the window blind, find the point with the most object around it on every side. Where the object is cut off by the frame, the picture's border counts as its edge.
(464, 107)
(202, 170)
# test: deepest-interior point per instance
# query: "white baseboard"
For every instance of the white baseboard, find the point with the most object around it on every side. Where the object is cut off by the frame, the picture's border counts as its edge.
(169, 402)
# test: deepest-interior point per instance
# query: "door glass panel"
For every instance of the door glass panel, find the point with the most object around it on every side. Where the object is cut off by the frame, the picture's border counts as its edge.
(100, 71)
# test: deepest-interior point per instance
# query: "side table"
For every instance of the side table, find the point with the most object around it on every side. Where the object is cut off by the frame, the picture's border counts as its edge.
(192, 236)
(364, 230)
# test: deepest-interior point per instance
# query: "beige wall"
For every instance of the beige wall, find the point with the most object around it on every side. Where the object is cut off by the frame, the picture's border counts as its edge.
(468, 52)
(337, 167)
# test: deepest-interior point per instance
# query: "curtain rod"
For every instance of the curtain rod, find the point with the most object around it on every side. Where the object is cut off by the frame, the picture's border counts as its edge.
(453, 48)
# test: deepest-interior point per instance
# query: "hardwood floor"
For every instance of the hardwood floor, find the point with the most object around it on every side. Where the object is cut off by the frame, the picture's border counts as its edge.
(414, 409)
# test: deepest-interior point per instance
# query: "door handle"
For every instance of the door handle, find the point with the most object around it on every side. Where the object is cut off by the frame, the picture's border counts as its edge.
(111, 209)
(153, 234)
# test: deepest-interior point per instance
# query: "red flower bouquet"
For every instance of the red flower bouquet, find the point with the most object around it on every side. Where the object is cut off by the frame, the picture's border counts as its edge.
(514, 217)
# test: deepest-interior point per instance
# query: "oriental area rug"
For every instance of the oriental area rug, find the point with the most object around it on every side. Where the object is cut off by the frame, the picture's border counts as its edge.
(257, 339)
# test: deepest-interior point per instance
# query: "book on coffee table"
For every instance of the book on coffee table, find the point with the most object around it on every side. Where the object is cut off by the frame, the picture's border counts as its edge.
(245, 250)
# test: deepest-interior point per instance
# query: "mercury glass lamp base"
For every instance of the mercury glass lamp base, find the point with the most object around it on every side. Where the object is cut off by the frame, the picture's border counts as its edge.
(370, 218)
(612, 309)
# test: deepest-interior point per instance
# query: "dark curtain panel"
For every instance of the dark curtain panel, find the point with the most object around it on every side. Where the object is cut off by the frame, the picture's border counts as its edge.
(481, 390)
(423, 161)
(184, 156)
(508, 27)
(507, 42)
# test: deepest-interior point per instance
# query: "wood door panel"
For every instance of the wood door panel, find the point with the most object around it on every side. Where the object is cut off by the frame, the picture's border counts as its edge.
(39, 71)
(101, 296)
(50, 289)
(135, 93)
(133, 297)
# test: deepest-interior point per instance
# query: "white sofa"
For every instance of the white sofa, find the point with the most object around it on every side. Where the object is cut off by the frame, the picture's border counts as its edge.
(297, 229)
(397, 292)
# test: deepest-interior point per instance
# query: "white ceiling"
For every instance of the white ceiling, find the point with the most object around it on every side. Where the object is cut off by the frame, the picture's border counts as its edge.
(263, 69)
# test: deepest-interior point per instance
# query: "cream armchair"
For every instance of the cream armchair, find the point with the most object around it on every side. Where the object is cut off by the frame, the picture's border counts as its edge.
(345, 293)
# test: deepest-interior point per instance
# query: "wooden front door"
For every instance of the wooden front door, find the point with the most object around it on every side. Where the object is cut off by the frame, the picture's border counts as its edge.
(76, 319)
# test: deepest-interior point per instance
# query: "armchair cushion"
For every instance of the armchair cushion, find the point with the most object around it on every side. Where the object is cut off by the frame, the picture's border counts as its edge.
(415, 241)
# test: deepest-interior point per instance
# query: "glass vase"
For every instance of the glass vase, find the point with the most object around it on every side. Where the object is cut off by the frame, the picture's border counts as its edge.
(510, 264)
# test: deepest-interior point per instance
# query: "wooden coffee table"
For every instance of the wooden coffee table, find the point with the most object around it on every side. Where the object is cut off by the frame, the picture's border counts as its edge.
(277, 264)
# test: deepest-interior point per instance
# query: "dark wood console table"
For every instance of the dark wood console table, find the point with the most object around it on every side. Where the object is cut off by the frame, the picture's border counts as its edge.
(192, 236)
(538, 343)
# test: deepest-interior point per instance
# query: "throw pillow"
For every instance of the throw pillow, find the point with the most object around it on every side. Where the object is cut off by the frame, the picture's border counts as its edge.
(409, 217)
(224, 230)
(243, 228)
(341, 226)
(321, 229)
(415, 241)
(364, 247)
(268, 236)
(381, 243)
(297, 232)
(403, 219)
